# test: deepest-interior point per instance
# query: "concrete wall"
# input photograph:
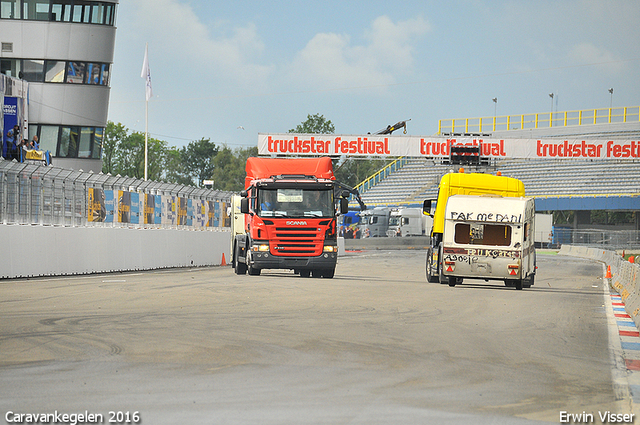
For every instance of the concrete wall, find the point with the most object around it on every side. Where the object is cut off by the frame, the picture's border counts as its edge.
(28, 251)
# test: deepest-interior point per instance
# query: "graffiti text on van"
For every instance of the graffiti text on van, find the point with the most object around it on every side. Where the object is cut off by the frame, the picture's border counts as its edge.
(491, 217)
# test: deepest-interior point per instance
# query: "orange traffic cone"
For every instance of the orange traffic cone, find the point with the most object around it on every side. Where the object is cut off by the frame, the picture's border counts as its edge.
(223, 263)
(608, 275)
(631, 259)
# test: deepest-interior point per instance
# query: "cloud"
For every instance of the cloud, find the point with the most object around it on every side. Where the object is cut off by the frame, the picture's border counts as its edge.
(331, 60)
(182, 37)
(587, 53)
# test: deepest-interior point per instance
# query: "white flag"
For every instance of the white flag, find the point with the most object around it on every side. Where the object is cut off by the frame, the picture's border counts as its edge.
(146, 73)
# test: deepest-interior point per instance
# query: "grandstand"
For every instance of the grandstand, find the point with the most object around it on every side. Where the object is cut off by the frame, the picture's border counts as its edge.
(412, 180)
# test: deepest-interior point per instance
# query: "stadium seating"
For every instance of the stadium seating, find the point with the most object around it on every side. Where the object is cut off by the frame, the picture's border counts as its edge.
(419, 178)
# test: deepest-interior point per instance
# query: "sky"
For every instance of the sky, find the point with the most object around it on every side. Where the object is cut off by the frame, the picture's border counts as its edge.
(229, 70)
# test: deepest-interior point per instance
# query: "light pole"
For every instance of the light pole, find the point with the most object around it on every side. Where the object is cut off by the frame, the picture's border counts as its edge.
(495, 107)
(551, 113)
(611, 101)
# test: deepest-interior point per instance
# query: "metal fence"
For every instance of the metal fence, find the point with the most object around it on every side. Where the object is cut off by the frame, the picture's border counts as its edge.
(596, 238)
(31, 193)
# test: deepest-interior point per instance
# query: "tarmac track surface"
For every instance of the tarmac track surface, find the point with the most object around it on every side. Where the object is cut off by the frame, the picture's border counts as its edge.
(375, 344)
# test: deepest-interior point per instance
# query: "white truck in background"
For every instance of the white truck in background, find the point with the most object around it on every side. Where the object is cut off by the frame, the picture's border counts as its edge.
(408, 222)
(489, 237)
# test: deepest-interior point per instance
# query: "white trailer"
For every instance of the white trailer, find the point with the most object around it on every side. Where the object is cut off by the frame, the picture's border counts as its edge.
(489, 237)
(544, 230)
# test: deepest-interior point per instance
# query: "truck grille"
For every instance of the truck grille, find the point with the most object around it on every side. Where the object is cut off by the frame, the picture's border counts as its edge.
(297, 240)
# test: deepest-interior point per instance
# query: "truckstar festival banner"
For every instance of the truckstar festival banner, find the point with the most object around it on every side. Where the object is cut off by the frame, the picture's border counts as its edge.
(420, 146)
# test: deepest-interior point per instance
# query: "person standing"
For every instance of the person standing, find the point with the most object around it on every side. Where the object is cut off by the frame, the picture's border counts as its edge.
(35, 144)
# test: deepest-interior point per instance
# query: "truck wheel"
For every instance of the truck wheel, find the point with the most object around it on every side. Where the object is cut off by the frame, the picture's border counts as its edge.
(452, 281)
(241, 268)
(316, 273)
(518, 284)
(528, 282)
(305, 273)
(509, 283)
(253, 271)
(328, 273)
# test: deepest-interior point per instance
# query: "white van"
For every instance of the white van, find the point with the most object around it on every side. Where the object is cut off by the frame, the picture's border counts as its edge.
(489, 237)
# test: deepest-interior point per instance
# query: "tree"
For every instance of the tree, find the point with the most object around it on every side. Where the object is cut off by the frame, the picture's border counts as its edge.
(229, 171)
(114, 134)
(197, 158)
(315, 124)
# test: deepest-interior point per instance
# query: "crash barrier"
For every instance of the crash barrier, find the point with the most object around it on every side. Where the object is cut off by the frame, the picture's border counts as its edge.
(35, 251)
(56, 221)
(621, 275)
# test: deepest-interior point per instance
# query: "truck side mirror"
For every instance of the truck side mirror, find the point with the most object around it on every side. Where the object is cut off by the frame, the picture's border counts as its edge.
(244, 194)
(426, 207)
(244, 206)
(344, 206)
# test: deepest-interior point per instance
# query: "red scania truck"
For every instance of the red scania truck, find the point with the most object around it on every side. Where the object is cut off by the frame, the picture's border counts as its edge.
(286, 217)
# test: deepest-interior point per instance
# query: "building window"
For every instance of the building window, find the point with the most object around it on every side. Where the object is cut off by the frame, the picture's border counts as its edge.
(75, 72)
(10, 67)
(61, 10)
(33, 70)
(80, 11)
(49, 138)
(10, 9)
(54, 72)
(84, 147)
(98, 138)
(35, 9)
(68, 147)
(104, 77)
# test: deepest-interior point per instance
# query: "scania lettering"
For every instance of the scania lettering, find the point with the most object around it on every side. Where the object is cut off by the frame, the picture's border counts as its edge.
(287, 217)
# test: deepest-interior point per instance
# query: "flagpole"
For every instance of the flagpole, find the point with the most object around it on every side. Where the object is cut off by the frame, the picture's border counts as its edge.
(146, 74)
(146, 136)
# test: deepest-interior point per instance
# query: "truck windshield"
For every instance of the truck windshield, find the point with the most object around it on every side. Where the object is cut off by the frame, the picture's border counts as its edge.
(483, 234)
(394, 221)
(295, 203)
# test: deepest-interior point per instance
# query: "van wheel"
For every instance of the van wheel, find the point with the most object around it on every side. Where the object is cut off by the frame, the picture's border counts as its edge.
(430, 278)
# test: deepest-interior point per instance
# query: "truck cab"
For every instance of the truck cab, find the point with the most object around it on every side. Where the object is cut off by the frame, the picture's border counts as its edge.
(375, 222)
(406, 222)
(290, 217)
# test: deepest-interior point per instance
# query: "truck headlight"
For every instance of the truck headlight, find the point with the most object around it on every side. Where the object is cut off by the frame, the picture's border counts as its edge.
(330, 248)
(262, 247)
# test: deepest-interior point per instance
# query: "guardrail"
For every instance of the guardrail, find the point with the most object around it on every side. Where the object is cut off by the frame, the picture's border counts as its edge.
(31, 193)
(624, 275)
(624, 114)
